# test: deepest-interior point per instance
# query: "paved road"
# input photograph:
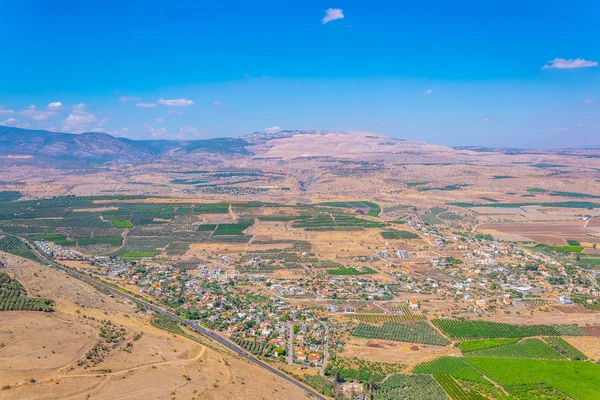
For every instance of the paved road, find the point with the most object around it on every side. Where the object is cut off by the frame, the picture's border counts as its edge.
(192, 324)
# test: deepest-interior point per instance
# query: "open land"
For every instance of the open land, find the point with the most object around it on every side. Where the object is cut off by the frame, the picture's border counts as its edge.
(340, 258)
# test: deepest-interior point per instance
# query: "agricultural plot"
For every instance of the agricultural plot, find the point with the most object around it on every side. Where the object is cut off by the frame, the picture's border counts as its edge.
(579, 380)
(454, 366)
(373, 209)
(352, 271)
(207, 227)
(382, 318)
(232, 229)
(13, 297)
(409, 387)
(121, 223)
(335, 222)
(113, 241)
(565, 348)
(254, 347)
(528, 348)
(413, 332)
(397, 234)
(472, 345)
(361, 370)
(177, 249)
(464, 330)
(454, 390)
(13, 245)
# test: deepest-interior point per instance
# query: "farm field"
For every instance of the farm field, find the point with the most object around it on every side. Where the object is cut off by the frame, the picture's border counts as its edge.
(458, 329)
(527, 348)
(577, 379)
(471, 345)
(552, 233)
(413, 332)
(415, 387)
(454, 366)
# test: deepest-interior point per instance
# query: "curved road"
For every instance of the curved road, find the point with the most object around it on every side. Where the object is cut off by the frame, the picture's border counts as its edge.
(191, 324)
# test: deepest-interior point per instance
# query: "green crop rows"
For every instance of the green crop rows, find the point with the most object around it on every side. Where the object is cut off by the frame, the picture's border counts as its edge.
(351, 271)
(464, 330)
(471, 345)
(409, 387)
(528, 348)
(454, 366)
(232, 229)
(13, 245)
(13, 297)
(412, 332)
(396, 234)
(565, 348)
(578, 379)
(454, 390)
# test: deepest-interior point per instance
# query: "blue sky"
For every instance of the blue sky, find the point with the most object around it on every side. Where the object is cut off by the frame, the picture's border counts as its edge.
(455, 73)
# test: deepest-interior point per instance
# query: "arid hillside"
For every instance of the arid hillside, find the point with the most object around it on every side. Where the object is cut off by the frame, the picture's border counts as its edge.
(45, 355)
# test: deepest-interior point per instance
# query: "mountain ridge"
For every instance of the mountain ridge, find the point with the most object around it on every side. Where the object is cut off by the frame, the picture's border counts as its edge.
(103, 147)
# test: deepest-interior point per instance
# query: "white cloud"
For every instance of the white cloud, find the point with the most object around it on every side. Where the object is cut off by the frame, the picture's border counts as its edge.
(146, 105)
(428, 91)
(55, 105)
(331, 14)
(125, 99)
(175, 112)
(9, 122)
(589, 101)
(561, 63)
(189, 132)
(159, 120)
(176, 102)
(487, 118)
(120, 133)
(81, 121)
(218, 103)
(155, 131)
(80, 106)
(4, 111)
(36, 115)
(273, 129)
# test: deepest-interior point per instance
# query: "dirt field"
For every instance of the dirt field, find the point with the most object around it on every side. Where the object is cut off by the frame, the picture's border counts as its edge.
(41, 350)
(556, 233)
(392, 352)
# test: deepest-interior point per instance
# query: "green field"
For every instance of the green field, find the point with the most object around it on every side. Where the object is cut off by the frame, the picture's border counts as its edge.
(233, 229)
(374, 209)
(471, 345)
(351, 271)
(412, 332)
(207, 227)
(457, 367)
(464, 329)
(528, 348)
(13, 297)
(138, 254)
(113, 241)
(413, 184)
(121, 223)
(398, 234)
(578, 379)
(565, 348)
(409, 387)
(13, 245)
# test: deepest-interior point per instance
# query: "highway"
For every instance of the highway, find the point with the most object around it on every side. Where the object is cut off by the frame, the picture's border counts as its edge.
(191, 324)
